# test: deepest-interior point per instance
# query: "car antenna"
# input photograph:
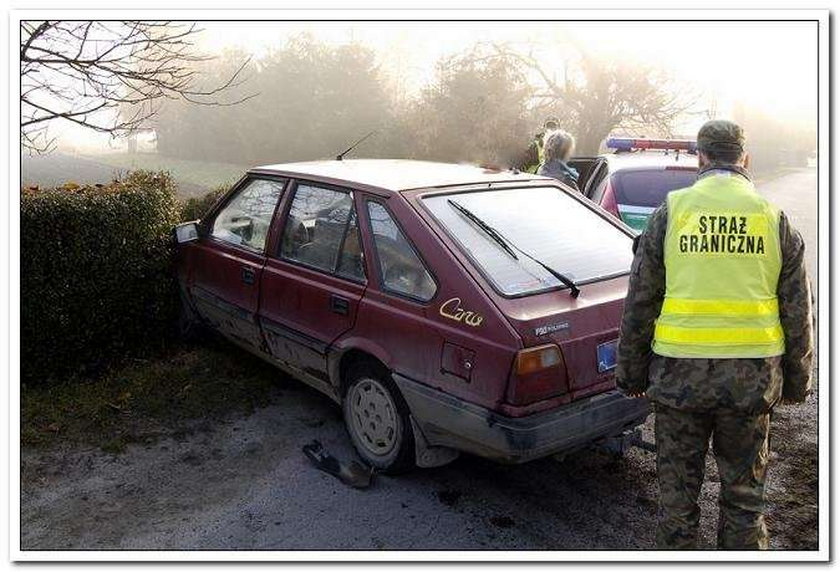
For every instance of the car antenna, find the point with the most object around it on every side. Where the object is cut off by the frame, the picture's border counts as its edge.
(340, 156)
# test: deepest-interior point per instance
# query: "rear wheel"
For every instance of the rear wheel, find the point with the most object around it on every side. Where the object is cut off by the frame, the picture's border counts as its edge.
(377, 419)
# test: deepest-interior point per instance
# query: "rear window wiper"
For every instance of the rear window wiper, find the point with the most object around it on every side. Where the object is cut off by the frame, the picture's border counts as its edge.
(488, 230)
(509, 247)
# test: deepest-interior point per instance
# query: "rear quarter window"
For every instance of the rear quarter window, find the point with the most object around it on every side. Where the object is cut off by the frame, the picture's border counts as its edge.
(401, 269)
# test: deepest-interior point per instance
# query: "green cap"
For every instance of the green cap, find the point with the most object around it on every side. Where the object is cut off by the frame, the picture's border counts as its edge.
(720, 135)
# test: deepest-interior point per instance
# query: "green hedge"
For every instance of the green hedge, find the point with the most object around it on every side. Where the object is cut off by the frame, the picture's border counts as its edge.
(96, 274)
(195, 208)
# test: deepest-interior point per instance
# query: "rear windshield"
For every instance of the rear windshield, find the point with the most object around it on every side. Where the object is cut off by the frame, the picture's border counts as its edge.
(546, 223)
(648, 187)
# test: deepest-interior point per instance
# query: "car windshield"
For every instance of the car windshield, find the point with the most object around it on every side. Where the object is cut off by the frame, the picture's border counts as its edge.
(649, 187)
(546, 223)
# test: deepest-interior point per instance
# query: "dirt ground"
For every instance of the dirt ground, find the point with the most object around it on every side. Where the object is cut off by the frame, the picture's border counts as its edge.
(243, 483)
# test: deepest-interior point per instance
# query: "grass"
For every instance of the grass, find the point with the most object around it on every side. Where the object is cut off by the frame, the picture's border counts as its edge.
(140, 400)
(205, 174)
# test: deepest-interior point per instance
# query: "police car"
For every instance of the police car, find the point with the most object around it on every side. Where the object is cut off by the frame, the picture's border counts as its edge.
(636, 177)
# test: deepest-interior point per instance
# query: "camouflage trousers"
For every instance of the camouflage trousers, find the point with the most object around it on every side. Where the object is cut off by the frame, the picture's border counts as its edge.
(740, 445)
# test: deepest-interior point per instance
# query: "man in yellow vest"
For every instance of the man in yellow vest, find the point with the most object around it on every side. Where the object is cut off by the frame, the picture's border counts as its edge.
(535, 154)
(717, 330)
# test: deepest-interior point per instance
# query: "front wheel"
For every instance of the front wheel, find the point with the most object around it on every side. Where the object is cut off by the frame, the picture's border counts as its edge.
(377, 420)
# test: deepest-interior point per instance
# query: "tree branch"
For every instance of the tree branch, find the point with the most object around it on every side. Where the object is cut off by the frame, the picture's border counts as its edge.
(76, 71)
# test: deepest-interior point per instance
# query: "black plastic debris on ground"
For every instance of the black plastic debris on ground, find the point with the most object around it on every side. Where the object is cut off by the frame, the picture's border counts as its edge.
(449, 497)
(353, 473)
(502, 521)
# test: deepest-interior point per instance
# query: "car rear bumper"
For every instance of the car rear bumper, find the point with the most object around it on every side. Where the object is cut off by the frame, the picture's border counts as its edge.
(447, 421)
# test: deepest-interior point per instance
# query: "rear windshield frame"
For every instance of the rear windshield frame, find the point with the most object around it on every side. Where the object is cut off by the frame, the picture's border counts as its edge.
(597, 211)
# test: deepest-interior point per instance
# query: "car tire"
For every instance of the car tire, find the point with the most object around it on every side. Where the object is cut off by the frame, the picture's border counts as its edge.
(377, 419)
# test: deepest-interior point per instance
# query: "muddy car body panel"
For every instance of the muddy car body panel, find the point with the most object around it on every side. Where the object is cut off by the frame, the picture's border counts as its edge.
(350, 261)
(450, 422)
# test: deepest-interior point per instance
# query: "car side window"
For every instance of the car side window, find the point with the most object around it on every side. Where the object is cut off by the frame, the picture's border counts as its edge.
(598, 193)
(321, 231)
(594, 188)
(400, 268)
(351, 263)
(246, 218)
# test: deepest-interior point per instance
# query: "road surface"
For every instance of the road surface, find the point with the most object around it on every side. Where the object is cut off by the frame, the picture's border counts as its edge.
(245, 484)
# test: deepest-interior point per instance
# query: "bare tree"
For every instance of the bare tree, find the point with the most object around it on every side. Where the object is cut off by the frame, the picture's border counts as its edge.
(108, 76)
(603, 95)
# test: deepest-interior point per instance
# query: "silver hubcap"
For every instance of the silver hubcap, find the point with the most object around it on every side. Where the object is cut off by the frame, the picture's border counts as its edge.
(373, 416)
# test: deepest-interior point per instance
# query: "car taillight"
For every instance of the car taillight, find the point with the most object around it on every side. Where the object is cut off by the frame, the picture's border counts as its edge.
(538, 373)
(608, 202)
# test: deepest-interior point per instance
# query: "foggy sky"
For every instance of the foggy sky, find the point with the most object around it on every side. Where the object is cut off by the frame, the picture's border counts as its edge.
(767, 66)
(771, 66)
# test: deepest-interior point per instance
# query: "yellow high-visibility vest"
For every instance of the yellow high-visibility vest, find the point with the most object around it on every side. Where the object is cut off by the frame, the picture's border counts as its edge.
(541, 146)
(722, 264)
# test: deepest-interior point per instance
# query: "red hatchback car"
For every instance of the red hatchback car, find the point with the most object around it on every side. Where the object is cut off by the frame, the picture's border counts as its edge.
(446, 308)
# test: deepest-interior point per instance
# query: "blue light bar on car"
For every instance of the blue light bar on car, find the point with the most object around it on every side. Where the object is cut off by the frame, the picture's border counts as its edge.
(629, 144)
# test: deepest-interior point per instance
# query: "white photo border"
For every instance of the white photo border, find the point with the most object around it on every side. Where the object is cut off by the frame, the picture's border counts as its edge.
(11, 450)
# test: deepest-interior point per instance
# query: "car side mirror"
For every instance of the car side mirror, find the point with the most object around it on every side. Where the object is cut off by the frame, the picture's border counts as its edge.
(186, 232)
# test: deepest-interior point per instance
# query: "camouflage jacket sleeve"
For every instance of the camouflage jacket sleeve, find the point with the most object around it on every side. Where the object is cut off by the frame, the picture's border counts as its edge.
(795, 312)
(642, 305)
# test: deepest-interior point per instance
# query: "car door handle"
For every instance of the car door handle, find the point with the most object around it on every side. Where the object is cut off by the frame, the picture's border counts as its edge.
(248, 275)
(339, 305)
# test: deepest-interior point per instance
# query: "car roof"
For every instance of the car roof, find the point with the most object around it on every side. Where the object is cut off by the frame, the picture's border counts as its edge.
(395, 174)
(648, 159)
